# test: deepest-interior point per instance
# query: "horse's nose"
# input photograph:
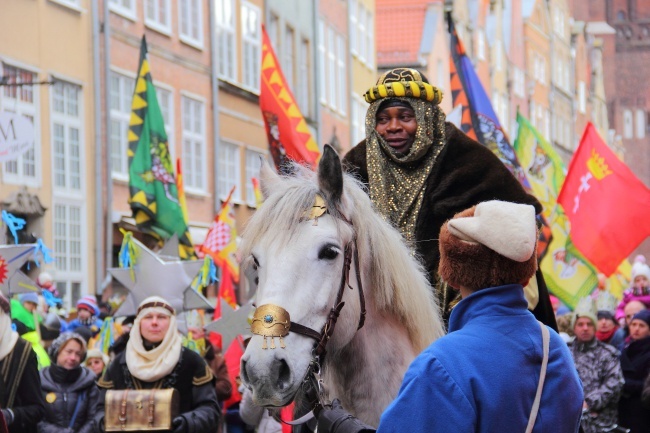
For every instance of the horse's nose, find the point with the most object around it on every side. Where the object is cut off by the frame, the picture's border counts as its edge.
(278, 373)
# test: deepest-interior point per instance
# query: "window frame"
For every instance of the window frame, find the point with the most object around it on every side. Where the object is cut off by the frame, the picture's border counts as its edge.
(66, 274)
(224, 184)
(322, 64)
(188, 39)
(122, 117)
(164, 28)
(251, 79)
(194, 137)
(67, 122)
(249, 159)
(341, 78)
(131, 12)
(228, 30)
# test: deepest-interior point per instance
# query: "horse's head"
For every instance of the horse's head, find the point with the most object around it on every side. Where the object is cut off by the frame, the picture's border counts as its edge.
(295, 246)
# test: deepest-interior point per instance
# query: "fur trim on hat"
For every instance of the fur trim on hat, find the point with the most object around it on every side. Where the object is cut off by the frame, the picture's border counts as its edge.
(472, 265)
(640, 269)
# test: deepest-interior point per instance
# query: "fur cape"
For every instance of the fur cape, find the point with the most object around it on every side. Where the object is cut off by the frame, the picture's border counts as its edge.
(464, 174)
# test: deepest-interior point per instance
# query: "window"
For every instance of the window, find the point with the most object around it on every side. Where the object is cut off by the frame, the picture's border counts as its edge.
(66, 136)
(193, 125)
(272, 29)
(302, 92)
(252, 45)
(123, 7)
(354, 27)
(322, 59)
(518, 77)
(21, 100)
(158, 15)
(225, 11)
(166, 103)
(191, 22)
(370, 40)
(288, 57)
(640, 124)
(361, 37)
(253, 165)
(332, 65)
(582, 97)
(120, 103)
(358, 119)
(228, 175)
(69, 230)
(627, 124)
(72, 3)
(480, 49)
(341, 79)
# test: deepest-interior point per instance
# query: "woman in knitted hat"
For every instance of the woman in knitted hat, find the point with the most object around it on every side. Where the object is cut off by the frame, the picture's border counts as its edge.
(421, 170)
(21, 407)
(155, 358)
(69, 389)
(639, 288)
(96, 361)
(635, 362)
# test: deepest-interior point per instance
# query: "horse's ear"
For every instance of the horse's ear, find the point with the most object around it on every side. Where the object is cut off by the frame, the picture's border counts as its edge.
(269, 179)
(330, 174)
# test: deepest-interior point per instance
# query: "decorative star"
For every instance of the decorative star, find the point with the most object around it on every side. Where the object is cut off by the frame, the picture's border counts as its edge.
(153, 276)
(12, 279)
(232, 322)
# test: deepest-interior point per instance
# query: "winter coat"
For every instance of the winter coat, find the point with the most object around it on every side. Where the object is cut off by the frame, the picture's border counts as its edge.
(645, 395)
(464, 174)
(483, 375)
(599, 369)
(64, 399)
(191, 377)
(635, 363)
(28, 406)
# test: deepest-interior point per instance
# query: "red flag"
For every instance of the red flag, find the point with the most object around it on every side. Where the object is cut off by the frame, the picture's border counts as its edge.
(286, 128)
(232, 356)
(227, 287)
(605, 202)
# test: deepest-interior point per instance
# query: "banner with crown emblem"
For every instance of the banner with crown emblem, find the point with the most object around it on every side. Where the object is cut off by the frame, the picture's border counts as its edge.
(605, 202)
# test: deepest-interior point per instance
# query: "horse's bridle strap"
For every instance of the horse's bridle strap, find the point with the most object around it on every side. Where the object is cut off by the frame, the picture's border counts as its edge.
(303, 330)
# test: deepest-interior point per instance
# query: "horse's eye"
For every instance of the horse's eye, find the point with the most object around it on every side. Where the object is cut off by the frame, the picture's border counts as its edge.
(328, 253)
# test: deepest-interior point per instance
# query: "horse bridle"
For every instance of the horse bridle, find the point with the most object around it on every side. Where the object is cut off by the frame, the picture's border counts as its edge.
(274, 321)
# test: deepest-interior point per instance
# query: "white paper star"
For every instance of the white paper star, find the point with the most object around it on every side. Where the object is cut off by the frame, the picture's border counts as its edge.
(153, 276)
(231, 323)
(12, 258)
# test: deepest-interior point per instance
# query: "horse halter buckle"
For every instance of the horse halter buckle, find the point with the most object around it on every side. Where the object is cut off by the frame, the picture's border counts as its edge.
(271, 321)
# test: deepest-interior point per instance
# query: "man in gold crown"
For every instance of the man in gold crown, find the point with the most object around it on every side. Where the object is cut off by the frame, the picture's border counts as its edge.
(421, 170)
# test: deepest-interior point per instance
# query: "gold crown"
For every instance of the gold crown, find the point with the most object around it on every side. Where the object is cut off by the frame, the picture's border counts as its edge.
(597, 165)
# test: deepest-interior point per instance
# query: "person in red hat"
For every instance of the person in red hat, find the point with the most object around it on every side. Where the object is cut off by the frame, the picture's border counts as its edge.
(87, 316)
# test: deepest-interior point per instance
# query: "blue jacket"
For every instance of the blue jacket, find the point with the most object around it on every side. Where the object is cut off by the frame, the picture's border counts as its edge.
(483, 375)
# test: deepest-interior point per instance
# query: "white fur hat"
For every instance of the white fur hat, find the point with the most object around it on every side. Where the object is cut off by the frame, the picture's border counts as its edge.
(639, 269)
(505, 228)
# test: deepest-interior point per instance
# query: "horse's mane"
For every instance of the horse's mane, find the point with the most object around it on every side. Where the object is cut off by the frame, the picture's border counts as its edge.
(399, 283)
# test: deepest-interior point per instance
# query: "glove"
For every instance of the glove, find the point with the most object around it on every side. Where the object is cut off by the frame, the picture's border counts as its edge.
(179, 425)
(8, 416)
(337, 420)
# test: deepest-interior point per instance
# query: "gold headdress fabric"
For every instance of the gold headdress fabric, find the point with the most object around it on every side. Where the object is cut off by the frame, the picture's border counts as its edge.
(397, 182)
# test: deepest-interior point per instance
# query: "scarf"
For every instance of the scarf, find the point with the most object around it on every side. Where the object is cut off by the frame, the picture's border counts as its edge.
(8, 337)
(63, 375)
(397, 182)
(605, 336)
(155, 363)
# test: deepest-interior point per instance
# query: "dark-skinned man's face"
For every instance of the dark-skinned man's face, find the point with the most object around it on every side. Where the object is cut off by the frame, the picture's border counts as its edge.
(397, 125)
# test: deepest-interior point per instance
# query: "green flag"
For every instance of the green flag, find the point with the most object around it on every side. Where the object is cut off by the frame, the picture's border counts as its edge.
(152, 185)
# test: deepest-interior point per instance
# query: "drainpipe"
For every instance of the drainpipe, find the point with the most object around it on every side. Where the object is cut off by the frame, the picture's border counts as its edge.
(214, 82)
(108, 167)
(97, 123)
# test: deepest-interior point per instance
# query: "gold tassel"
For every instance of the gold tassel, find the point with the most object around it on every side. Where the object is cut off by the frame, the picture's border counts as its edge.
(264, 344)
(282, 343)
(272, 343)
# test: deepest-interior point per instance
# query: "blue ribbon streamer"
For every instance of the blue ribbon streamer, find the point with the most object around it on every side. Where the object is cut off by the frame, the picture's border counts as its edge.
(13, 224)
(42, 250)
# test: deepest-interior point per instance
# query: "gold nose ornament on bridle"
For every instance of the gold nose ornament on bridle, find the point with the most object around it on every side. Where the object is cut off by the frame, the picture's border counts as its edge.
(271, 321)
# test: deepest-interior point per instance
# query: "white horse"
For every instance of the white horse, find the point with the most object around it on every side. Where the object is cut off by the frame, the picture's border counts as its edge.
(296, 246)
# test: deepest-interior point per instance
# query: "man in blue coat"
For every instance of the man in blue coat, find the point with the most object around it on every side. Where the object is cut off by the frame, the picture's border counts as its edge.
(484, 375)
